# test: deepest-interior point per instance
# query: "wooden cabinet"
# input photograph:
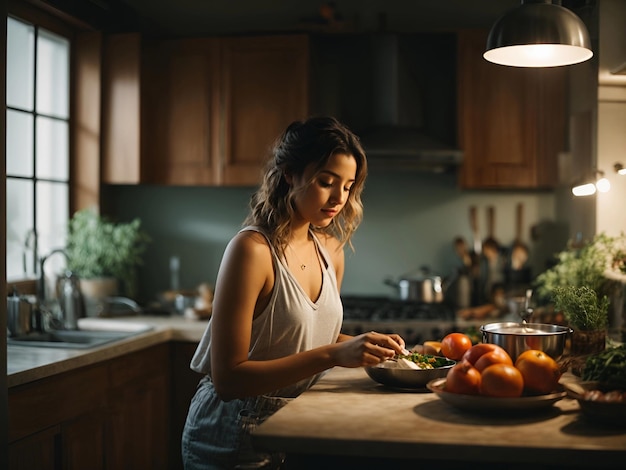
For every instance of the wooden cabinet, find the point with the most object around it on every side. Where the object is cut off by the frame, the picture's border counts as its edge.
(203, 111)
(263, 87)
(511, 120)
(113, 415)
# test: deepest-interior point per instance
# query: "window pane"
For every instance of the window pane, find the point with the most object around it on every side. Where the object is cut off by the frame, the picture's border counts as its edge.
(52, 148)
(19, 225)
(52, 74)
(19, 143)
(20, 64)
(52, 215)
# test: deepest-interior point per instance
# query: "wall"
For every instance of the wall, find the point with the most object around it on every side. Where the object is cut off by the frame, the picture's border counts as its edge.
(611, 119)
(410, 220)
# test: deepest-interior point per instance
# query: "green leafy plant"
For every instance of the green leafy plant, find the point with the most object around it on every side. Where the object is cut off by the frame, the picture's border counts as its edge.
(586, 265)
(583, 308)
(97, 247)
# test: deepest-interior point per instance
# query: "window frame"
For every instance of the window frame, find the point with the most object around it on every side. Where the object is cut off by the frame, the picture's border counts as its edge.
(43, 20)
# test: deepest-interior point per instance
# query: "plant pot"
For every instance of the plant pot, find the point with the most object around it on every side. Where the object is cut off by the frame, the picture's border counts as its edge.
(586, 342)
(95, 291)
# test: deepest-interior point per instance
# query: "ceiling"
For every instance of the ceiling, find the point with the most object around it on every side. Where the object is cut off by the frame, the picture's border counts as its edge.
(202, 17)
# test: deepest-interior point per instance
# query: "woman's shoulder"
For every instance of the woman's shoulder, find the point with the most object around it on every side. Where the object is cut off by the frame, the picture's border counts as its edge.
(250, 243)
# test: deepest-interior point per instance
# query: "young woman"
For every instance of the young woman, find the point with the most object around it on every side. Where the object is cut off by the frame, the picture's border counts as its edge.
(277, 312)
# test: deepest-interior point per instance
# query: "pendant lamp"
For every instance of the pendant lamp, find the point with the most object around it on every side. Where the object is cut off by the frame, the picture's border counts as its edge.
(538, 34)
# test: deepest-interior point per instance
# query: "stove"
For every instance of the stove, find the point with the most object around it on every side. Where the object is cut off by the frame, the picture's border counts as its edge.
(416, 322)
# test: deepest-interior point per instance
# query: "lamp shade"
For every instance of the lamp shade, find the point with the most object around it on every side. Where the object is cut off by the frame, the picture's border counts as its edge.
(538, 34)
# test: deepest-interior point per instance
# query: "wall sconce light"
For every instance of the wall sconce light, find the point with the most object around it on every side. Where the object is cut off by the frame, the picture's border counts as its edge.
(590, 186)
(619, 169)
(538, 33)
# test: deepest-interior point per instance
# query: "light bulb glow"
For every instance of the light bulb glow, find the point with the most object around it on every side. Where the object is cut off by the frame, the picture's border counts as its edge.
(538, 55)
(603, 185)
(584, 189)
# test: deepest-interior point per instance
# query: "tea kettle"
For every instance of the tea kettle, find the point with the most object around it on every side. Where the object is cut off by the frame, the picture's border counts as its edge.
(71, 300)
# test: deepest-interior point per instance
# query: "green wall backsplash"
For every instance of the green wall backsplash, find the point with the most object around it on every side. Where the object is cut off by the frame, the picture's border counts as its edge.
(410, 221)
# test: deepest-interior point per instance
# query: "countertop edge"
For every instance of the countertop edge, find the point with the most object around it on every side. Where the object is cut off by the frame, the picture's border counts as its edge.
(58, 361)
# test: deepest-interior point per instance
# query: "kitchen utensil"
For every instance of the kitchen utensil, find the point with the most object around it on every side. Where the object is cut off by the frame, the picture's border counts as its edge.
(516, 338)
(424, 287)
(71, 300)
(19, 314)
(482, 404)
(407, 378)
(519, 250)
(473, 216)
(493, 263)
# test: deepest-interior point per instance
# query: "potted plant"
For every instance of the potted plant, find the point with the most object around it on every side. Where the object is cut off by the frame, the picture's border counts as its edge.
(599, 264)
(587, 314)
(99, 249)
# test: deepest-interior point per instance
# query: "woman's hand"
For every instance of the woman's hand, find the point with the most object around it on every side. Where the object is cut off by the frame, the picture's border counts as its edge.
(368, 349)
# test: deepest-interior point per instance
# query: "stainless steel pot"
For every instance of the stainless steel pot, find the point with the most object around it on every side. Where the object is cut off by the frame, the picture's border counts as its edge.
(19, 315)
(516, 338)
(425, 288)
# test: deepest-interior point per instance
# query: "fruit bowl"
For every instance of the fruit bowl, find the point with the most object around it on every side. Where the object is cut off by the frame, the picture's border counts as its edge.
(479, 403)
(408, 378)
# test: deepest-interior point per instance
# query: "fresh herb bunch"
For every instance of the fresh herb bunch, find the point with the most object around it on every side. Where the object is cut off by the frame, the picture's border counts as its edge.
(607, 367)
(97, 247)
(582, 307)
(586, 265)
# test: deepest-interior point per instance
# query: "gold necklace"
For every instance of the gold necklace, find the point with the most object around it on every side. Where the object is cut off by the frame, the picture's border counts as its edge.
(302, 265)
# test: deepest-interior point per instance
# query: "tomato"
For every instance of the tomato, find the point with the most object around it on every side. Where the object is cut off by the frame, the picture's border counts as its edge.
(501, 380)
(454, 345)
(473, 353)
(497, 356)
(541, 373)
(463, 378)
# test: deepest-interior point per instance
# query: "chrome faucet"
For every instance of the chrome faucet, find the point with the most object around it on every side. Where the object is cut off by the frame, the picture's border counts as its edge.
(41, 288)
(71, 300)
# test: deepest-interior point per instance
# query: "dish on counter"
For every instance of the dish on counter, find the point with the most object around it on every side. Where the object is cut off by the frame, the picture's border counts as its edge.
(608, 412)
(483, 403)
(390, 375)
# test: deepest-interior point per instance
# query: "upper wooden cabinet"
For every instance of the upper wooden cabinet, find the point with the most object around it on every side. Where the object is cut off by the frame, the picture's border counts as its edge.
(511, 120)
(202, 111)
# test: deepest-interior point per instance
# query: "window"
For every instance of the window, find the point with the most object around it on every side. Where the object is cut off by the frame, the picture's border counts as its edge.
(37, 145)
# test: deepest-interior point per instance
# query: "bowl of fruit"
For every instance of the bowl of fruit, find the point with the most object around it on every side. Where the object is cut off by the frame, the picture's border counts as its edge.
(486, 377)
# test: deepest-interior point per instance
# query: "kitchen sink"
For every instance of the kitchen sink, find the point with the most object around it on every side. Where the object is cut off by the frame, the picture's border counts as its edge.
(101, 333)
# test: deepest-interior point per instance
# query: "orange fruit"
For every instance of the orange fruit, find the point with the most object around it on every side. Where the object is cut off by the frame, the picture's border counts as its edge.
(497, 356)
(501, 380)
(463, 378)
(473, 353)
(432, 347)
(454, 345)
(541, 373)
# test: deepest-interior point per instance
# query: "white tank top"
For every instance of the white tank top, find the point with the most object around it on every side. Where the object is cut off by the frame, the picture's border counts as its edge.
(290, 323)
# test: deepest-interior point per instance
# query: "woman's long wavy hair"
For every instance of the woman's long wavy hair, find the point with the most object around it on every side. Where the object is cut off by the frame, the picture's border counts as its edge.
(305, 143)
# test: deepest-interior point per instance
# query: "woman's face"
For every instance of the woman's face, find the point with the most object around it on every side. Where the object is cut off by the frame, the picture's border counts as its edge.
(324, 198)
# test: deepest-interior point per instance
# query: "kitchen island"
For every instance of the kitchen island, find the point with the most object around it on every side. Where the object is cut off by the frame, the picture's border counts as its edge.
(350, 421)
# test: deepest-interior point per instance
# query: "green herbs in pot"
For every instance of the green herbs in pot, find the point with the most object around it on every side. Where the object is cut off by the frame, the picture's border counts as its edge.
(607, 367)
(583, 308)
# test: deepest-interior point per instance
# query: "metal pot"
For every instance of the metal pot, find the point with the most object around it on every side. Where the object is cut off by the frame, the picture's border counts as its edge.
(516, 338)
(426, 288)
(19, 315)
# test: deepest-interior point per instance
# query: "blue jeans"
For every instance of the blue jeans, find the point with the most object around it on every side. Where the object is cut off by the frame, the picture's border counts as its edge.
(217, 433)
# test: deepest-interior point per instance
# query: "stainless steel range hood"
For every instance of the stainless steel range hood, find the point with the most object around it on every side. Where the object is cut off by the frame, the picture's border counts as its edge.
(408, 115)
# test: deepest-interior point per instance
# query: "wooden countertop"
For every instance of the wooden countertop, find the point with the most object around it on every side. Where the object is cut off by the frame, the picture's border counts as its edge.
(348, 415)
(26, 363)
